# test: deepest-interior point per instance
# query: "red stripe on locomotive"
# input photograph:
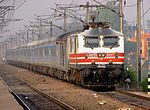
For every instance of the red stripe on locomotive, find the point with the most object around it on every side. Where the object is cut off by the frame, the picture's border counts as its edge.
(97, 60)
(95, 55)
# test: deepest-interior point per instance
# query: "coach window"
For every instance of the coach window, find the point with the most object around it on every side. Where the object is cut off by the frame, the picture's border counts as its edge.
(53, 51)
(41, 51)
(32, 52)
(20, 52)
(46, 51)
(27, 52)
(92, 41)
(110, 41)
(38, 53)
(23, 52)
(35, 52)
(49, 51)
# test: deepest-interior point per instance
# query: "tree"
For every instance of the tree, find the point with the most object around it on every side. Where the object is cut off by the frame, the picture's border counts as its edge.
(132, 73)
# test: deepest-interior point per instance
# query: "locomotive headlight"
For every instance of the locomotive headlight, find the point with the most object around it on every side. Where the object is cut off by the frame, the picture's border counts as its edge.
(93, 62)
(101, 55)
(86, 56)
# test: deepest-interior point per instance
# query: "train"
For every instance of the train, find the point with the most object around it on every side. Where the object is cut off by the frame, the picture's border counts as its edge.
(92, 58)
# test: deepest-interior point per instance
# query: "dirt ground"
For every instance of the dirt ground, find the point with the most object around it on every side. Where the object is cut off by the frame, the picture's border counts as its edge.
(78, 97)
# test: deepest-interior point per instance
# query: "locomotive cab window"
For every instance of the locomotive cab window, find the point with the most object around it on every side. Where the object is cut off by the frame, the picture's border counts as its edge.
(111, 41)
(91, 41)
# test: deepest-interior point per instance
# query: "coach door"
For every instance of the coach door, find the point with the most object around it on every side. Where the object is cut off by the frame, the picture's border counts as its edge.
(62, 52)
(73, 48)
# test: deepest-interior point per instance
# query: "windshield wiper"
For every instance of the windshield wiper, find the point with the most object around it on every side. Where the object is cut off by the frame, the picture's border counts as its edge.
(114, 44)
(90, 45)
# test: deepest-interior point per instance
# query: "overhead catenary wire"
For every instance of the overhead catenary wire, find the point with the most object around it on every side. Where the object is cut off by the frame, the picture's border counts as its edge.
(23, 1)
(72, 16)
(7, 11)
(106, 6)
(146, 12)
(1, 1)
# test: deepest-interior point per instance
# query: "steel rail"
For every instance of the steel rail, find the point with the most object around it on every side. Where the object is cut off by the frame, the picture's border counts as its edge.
(49, 97)
(133, 95)
(128, 99)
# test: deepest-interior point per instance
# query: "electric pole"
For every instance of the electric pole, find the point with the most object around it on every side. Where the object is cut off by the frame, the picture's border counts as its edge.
(139, 40)
(65, 21)
(27, 41)
(121, 16)
(51, 28)
(87, 12)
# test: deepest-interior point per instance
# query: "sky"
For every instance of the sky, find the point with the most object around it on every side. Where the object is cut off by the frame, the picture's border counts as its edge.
(42, 7)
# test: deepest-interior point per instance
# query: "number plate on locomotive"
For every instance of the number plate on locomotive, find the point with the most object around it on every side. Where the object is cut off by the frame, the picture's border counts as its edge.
(101, 66)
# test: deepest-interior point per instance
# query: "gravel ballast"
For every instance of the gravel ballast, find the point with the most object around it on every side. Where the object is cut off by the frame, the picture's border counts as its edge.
(78, 97)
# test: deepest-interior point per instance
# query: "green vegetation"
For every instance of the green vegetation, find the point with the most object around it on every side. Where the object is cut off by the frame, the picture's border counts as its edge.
(148, 52)
(132, 73)
(144, 84)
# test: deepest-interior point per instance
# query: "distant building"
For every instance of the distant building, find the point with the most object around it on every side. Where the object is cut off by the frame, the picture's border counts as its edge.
(145, 45)
(132, 30)
(147, 26)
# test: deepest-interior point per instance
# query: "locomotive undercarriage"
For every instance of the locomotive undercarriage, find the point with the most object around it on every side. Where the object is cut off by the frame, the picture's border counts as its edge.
(95, 76)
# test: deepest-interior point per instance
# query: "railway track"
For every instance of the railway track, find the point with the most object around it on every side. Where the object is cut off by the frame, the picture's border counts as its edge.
(30, 97)
(129, 98)
(19, 100)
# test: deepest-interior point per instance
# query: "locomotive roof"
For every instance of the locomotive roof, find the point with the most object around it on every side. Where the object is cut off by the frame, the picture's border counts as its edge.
(101, 31)
(65, 35)
(109, 31)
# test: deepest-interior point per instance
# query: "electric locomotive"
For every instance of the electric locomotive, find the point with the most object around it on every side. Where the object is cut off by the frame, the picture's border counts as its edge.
(98, 53)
